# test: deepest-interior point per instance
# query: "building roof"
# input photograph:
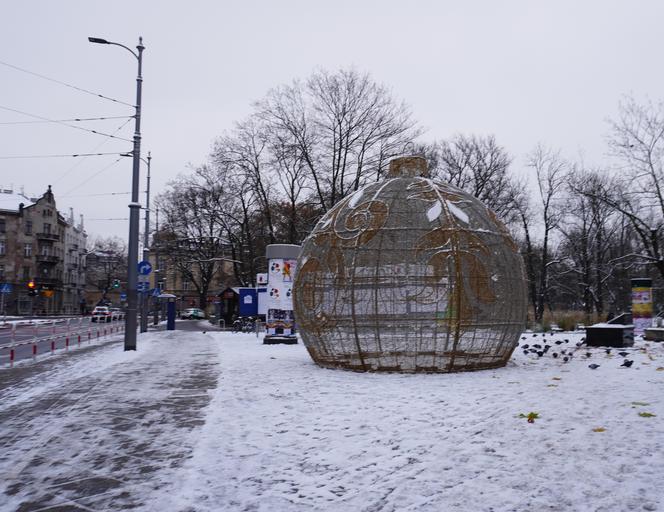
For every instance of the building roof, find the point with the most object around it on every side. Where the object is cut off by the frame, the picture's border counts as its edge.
(10, 200)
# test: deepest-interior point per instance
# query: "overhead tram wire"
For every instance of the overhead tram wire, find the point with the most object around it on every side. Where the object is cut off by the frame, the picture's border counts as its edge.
(66, 84)
(97, 195)
(94, 175)
(92, 150)
(76, 155)
(76, 119)
(65, 124)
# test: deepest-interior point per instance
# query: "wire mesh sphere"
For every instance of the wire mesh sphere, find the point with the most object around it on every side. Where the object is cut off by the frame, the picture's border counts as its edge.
(410, 275)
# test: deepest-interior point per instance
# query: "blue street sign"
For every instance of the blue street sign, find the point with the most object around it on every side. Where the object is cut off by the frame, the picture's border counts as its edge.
(156, 292)
(144, 268)
(143, 286)
(5, 288)
(123, 296)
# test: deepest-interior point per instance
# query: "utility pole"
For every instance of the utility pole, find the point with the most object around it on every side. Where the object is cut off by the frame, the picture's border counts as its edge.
(146, 252)
(134, 206)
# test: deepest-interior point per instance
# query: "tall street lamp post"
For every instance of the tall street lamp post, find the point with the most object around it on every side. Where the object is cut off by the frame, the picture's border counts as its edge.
(134, 206)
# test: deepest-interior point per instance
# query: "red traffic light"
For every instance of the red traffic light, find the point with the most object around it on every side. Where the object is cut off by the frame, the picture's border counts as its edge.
(31, 285)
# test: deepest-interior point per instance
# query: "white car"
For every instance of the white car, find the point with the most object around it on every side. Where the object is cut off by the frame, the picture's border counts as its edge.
(101, 314)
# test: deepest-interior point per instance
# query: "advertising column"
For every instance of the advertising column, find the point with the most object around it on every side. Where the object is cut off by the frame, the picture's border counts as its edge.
(641, 304)
(280, 320)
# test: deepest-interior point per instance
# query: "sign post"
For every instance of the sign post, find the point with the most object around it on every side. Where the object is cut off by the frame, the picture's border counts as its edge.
(144, 270)
(5, 288)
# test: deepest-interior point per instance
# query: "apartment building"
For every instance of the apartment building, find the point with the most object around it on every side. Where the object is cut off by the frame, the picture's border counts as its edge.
(38, 244)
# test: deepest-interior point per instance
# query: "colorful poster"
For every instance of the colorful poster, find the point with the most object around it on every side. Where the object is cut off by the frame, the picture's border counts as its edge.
(279, 296)
(641, 304)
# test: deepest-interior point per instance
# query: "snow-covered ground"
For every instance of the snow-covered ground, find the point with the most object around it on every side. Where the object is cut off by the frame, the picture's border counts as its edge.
(218, 421)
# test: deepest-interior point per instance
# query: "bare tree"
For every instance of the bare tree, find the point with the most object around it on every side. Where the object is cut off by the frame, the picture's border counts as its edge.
(106, 262)
(637, 140)
(477, 165)
(191, 237)
(343, 126)
(550, 173)
(244, 152)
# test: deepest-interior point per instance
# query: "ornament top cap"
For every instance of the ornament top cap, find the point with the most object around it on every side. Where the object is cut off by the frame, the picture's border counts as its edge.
(408, 167)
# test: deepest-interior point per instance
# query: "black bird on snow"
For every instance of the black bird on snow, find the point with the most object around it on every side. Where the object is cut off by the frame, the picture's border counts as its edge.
(540, 354)
(563, 352)
(588, 354)
(565, 359)
(524, 347)
(534, 335)
(566, 340)
(525, 352)
(523, 337)
(627, 363)
(623, 354)
(608, 351)
(558, 342)
(554, 354)
(532, 350)
(537, 346)
(593, 366)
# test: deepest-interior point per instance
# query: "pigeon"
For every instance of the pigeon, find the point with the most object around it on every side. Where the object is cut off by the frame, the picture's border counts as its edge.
(566, 340)
(204, 332)
(533, 350)
(623, 354)
(627, 363)
(525, 352)
(565, 359)
(588, 354)
(558, 342)
(563, 352)
(593, 366)
(537, 346)
(534, 335)
(524, 347)
(523, 337)
(540, 354)
(555, 355)
(579, 344)
(608, 351)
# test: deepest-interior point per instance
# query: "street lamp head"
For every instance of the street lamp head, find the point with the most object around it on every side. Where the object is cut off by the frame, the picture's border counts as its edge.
(98, 40)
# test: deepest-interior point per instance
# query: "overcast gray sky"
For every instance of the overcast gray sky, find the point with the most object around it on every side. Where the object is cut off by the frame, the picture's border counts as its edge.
(526, 71)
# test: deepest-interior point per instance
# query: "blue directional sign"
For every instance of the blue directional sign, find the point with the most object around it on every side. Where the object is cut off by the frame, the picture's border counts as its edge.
(5, 288)
(123, 296)
(143, 286)
(156, 292)
(144, 268)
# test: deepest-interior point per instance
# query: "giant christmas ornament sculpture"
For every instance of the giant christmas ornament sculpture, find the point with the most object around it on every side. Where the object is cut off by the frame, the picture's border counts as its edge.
(412, 275)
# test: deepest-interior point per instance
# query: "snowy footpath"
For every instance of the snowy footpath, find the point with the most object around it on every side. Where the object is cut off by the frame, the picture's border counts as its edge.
(217, 421)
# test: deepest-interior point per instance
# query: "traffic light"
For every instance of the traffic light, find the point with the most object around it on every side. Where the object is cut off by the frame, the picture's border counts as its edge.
(116, 283)
(31, 284)
(32, 288)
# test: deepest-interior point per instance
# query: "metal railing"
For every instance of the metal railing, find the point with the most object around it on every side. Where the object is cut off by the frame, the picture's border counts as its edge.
(60, 334)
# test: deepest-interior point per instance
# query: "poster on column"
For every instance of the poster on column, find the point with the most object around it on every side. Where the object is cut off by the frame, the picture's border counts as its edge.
(641, 304)
(280, 317)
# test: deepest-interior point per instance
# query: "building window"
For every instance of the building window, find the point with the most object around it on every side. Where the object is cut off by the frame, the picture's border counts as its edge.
(27, 250)
(2, 272)
(28, 227)
(3, 226)
(47, 228)
(45, 250)
(2, 247)
(26, 273)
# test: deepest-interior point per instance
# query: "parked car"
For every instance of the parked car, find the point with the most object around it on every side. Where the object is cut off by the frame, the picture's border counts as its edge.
(117, 313)
(101, 314)
(193, 313)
